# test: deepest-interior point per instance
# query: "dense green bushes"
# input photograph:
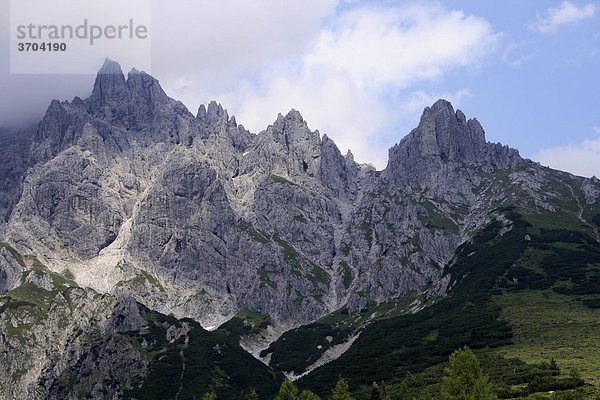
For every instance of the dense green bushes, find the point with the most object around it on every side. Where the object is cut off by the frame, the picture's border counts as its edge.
(199, 362)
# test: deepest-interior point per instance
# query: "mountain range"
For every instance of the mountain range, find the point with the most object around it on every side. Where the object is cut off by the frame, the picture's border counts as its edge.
(134, 232)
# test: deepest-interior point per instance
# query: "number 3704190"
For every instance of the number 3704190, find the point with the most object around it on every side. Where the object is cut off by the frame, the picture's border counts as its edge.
(42, 46)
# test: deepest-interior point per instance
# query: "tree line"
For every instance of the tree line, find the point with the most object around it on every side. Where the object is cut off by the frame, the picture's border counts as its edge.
(464, 380)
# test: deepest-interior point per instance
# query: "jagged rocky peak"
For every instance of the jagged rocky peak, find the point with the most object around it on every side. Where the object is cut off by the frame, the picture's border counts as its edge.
(218, 128)
(144, 86)
(214, 110)
(289, 148)
(292, 128)
(446, 135)
(112, 95)
(214, 115)
(109, 87)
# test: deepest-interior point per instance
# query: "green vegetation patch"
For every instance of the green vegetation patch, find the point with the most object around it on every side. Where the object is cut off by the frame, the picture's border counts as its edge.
(436, 218)
(297, 260)
(263, 276)
(255, 234)
(509, 377)
(346, 274)
(199, 362)
(297, 349)
(548, 325)
(300, 218)
(596, 219)
(290, 254)
(253, 322)
(144, 278)
(14, 253)
(29, 302)
(281, 179)
(319, 275)
(30, 293)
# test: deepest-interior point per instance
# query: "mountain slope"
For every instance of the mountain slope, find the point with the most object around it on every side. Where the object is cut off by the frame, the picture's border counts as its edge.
(493, 276)
(62, 341)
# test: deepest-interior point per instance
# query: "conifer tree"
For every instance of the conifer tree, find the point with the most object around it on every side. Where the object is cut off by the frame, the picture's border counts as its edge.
(341, 392)
(375, 394)
(287, 391)
(308, 395)
(379, 392)
(465, 380)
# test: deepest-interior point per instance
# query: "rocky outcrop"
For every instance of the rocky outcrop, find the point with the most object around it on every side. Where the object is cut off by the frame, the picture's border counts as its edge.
(58, 339)
(591, 190)
(10, 269)
(444, 136)
(13, 166)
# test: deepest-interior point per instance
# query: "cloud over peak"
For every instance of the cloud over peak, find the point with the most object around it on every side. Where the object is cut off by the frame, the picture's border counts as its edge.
(356, 80)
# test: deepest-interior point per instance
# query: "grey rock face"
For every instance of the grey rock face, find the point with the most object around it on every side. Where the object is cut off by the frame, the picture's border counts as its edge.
(10, 271)
(591, 190)
(181, 224)
(13, 165)
(66, 196)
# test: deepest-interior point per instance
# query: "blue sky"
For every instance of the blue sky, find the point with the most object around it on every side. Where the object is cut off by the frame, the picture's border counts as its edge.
(362, 71)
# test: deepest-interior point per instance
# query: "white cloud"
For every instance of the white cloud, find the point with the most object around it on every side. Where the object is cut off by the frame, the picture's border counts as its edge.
(399, 46)
(566, 13)
(352, 81)
(580, 159)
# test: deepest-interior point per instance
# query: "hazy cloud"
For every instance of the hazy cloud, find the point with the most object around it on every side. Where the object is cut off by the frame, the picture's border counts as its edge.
(580, 159)
(25, 98)
(212, 44)
(566, 13)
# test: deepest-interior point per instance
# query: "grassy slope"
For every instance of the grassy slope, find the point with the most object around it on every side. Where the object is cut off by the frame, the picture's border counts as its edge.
(549, 325)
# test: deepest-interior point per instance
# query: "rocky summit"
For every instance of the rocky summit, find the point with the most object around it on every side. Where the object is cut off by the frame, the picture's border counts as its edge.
(125, 204)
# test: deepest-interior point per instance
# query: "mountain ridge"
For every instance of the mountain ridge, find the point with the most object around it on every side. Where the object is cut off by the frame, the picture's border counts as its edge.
(443, 141)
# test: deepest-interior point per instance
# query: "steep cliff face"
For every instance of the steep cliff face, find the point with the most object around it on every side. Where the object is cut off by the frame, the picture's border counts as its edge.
(196, 216)
(13, 165)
